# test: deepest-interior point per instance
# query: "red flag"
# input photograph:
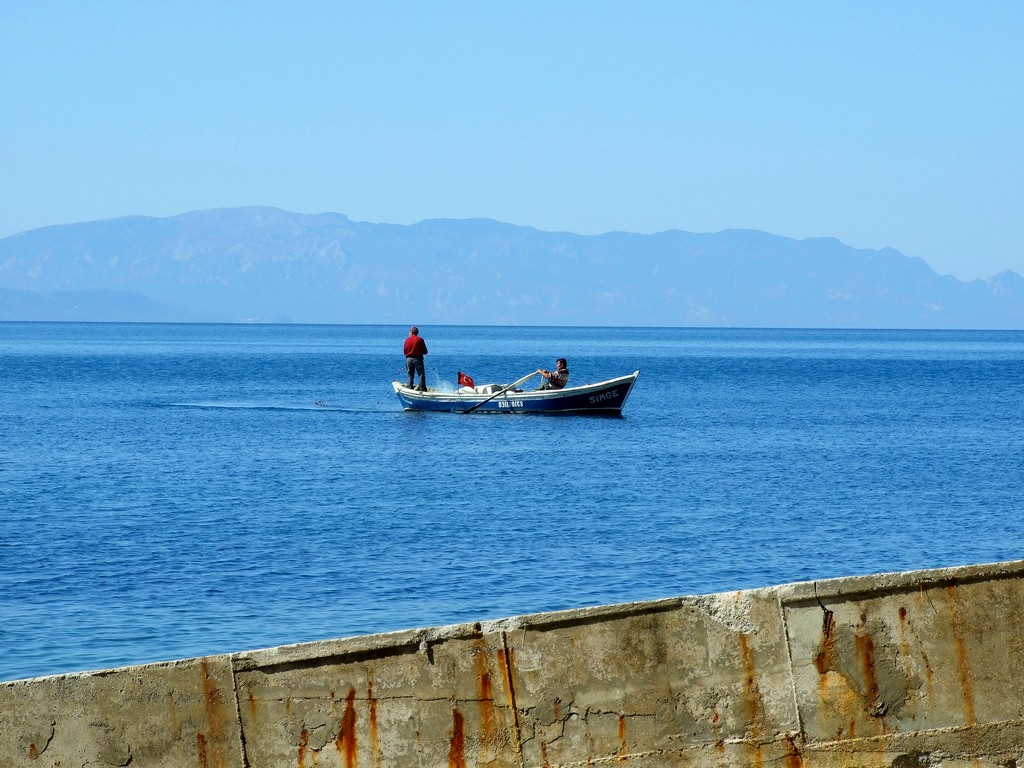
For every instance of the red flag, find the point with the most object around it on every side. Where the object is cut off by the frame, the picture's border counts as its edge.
(465, 381)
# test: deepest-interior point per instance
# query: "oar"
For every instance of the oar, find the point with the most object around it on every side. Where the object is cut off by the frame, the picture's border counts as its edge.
(513, 385)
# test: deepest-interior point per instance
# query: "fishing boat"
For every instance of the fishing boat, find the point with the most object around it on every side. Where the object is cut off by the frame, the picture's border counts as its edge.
(604, 397)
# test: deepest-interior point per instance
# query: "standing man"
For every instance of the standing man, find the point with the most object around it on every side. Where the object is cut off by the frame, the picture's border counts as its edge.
(415, 349)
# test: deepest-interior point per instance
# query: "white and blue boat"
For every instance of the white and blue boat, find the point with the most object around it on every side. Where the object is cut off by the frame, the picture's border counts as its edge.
(604, 397)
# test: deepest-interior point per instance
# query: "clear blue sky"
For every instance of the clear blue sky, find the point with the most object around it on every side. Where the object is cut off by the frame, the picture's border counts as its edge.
(880, 123)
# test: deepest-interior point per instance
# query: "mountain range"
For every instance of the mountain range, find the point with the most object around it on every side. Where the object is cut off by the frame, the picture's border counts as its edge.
(269, 265)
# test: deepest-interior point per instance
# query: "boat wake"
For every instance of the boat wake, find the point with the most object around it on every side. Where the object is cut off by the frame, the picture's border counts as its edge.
(319, 405)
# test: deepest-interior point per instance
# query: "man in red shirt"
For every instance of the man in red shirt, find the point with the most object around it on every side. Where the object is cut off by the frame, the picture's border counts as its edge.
(415, 349)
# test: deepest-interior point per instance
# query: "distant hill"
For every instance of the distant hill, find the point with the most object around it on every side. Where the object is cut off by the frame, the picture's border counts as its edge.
(90, 306)
(269, 265)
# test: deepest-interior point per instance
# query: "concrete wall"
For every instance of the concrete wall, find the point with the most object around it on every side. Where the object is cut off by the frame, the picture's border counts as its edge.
(902, 670)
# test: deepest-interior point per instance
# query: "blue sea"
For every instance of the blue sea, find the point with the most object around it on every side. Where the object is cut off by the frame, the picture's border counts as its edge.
(169, 491)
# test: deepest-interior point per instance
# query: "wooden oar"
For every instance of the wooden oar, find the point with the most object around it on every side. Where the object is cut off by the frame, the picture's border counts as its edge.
(513, 385)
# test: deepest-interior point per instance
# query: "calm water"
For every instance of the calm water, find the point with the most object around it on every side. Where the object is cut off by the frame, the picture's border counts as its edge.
(169, 491)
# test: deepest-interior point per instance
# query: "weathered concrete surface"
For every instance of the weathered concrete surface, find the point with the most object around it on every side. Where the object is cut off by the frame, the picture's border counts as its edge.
(893, 671)
(175, 714)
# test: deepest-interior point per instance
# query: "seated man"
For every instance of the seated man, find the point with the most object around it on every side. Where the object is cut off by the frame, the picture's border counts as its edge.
(557, 378)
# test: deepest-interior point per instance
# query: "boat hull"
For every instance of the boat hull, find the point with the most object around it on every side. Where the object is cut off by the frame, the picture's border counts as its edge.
(605, 397)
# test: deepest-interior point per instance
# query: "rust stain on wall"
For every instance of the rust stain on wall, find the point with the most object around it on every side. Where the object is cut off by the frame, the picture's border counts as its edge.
(824, 661)
(752, 698)
(832, 693)
(346, 742)
(483, 678)
(793, 759)
(457, 746)
(752, 695)
(375, 753)
(966, 685)
(215, 718)
(756, 756)
(303, 742)
(505, 663)
(865, 675)
(864, 645)
(719, 742)
(720, 750)
(623, 751)
(201, 750)
(252, 705)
